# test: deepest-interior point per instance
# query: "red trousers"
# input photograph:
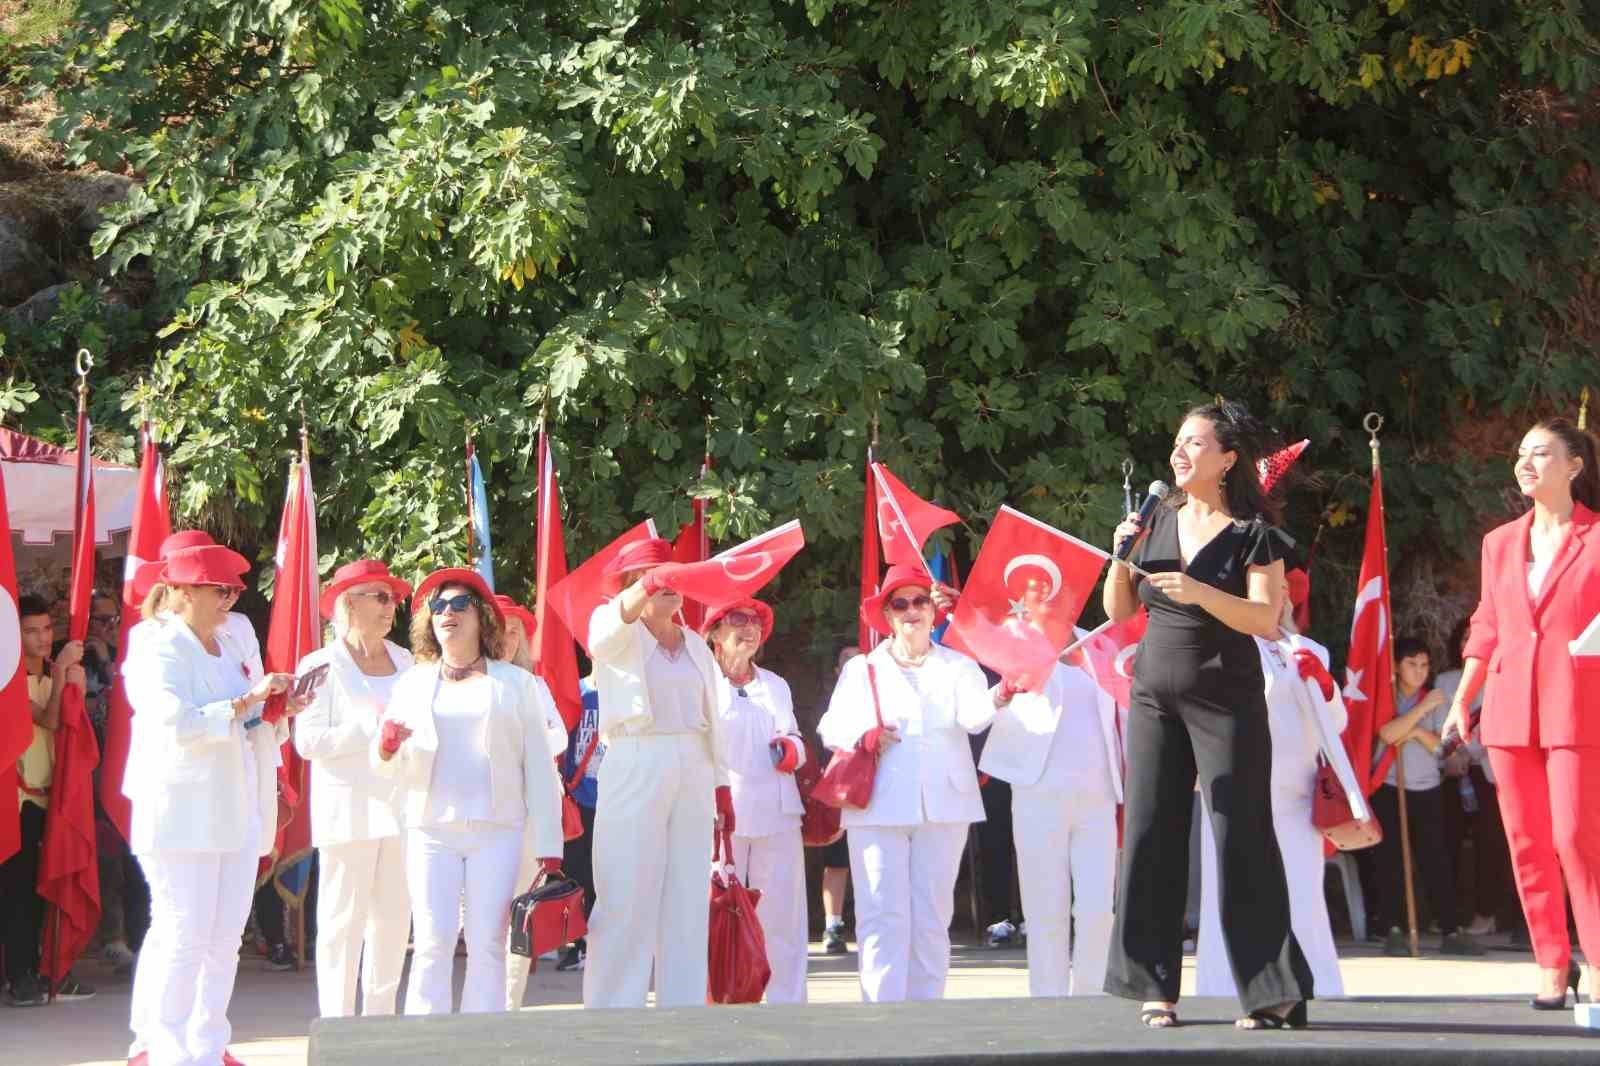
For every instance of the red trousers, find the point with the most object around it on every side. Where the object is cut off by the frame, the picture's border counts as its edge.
(1550, 802)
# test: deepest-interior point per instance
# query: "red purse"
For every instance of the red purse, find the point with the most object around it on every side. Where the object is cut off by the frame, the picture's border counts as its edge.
(847, 782)
(737, 970)
(546, 917)
(1332, 817)
(819, 824)
(571, 818)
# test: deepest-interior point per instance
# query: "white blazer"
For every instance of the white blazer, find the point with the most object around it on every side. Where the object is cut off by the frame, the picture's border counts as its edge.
(1298, 724)
(1019, 744)
(349, 800)
(929, 775)
(619, 650)
(236, 631)
(186, 774)
(522, 775)
(766, 800)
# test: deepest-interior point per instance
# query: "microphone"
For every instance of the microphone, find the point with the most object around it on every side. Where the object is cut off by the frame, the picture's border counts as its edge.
(1157, 492)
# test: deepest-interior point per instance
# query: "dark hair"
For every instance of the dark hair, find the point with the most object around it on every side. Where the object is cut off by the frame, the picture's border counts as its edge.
(28, 606)
(1458, 636)
(1238, 431)
(425, 646)
(1406, 647)
(1579, 442)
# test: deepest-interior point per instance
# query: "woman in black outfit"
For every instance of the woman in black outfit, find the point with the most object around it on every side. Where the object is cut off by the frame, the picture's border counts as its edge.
(1216, 574)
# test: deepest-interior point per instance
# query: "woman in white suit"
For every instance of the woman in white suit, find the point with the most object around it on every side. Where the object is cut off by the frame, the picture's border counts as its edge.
(905, 846)
(363, 910)
(202, 779)
(755, 716)
(1288, 661)
(1060, 751)
(663, 787)
(464, 734)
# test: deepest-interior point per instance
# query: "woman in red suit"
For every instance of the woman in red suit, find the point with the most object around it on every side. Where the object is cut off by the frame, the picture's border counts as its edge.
(1541, 712)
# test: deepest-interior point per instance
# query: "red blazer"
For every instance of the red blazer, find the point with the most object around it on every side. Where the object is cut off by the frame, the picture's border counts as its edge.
(1537, 693)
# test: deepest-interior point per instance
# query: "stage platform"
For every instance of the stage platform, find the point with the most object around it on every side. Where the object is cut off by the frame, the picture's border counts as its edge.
(1440, 1031)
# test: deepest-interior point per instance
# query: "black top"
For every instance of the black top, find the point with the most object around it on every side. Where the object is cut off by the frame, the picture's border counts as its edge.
(1223, 562)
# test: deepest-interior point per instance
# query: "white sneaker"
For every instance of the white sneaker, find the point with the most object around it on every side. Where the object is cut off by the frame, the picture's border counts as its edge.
(1001, 934)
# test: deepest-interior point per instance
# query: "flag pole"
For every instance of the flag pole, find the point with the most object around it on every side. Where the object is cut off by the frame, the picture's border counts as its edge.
(1372, 424)
(468, 484)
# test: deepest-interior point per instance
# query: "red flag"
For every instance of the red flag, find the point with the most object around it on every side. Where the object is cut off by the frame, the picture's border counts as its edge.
(293, 632)
(555, 657)
(1025, 592)
(1369, 685)
(905, 519)
(742, 570)
(693, 545)
(69, 875)
(866, 637)
(16, 713)
(576, 596)
(150, 528)
(1111, 653)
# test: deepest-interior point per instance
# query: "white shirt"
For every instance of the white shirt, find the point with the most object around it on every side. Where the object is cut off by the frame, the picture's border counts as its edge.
(459, 790)
(1063, 739)
(1077, 762)
(767, 801)
(677, 693)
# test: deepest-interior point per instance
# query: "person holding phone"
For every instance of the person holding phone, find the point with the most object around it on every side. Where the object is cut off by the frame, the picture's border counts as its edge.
(202, 778)
(755, 714)
(363, 908)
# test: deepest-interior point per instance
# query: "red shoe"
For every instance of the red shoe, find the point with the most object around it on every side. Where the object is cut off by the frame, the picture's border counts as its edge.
(141, 1059)
(229, 1060)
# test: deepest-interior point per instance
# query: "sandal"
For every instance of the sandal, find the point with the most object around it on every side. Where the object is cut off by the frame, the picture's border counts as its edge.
(1159, 1017)
(1269, 1018)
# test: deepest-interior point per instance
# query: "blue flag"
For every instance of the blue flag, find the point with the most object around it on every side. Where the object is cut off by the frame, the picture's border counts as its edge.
(939, 566)
(480, 523)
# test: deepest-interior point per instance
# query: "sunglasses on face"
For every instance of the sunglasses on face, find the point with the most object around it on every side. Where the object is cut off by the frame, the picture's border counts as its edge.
(103, 619)
(459, 602)
(738, 619)
(901, 603)
(382, 597)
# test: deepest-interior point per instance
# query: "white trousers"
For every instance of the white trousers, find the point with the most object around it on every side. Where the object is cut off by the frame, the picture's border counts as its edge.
(440, 861)
(363, 917)
(652, 869)
(905, 878)
(1303, 865)
(776, 865)
(199, 902)
(1066, 865)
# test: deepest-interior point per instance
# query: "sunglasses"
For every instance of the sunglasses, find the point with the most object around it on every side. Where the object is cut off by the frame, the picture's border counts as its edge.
(384, 598)
(742, 618)
(900, 603)
(459, 602)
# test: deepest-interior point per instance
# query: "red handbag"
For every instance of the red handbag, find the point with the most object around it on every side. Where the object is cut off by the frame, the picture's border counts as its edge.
(546, 917)
(819, 824)
(571, 818)
(1332, 817)
(848, 780)
(737, 970)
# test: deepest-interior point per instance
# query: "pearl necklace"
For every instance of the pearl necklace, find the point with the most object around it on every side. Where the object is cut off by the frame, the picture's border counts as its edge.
(907, 660)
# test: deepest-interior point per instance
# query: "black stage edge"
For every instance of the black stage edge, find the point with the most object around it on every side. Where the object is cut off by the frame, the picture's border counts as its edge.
(1423, 1031)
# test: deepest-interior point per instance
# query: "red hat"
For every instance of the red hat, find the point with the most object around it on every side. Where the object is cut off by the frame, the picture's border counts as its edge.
(510, 608)
(459, 575)
(873, 608)
(207, 564)
(1299, 586)
(1278, 463)
(361, 572)
(756, 607)
(640, 555)
(148, 575)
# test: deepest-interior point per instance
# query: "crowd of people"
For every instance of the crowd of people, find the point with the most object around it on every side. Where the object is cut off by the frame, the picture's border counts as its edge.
(439, 773)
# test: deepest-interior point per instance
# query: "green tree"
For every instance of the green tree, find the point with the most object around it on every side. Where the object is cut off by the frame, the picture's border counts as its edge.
(1023, 235)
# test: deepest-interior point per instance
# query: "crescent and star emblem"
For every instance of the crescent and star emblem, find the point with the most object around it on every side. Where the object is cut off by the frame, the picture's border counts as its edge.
(757, 563)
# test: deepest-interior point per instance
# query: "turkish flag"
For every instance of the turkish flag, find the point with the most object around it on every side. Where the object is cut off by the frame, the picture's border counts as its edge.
(905, 520)
(576, 596)
(1111, 652)
(742, 570)
(16, 713)
(555, 657)
(293, 632)
(69, 874)
(1369, 685)
(867, 637)
(693, 545)
(1024, 594)
(150, 528)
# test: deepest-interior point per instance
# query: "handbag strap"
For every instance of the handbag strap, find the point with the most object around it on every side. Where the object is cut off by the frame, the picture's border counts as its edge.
(583, 763)
(872, 683)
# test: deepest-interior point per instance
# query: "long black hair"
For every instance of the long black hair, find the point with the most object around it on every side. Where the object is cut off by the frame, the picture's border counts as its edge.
(1238, 431)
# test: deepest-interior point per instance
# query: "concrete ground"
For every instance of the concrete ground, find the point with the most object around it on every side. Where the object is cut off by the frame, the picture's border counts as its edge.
(272, 1011)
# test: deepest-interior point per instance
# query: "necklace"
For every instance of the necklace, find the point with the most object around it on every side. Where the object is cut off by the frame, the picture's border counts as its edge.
(909, 660)
(744, 679)
(461, 673)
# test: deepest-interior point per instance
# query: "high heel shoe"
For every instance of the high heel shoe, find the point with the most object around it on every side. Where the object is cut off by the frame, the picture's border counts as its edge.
(1295, 1018)
(1560, 1002)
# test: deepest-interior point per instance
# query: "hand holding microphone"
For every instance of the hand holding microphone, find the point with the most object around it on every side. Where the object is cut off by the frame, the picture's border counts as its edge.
(1132, 529)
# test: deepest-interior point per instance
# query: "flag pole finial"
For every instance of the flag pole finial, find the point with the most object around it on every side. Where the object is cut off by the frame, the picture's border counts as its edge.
(1373, 423)
(83, 363)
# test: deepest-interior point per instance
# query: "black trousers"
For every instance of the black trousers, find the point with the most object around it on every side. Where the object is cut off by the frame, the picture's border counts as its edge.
(577, 858)
(1220, 735)
(1425, 818)
(21, 906)
(997, 853)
